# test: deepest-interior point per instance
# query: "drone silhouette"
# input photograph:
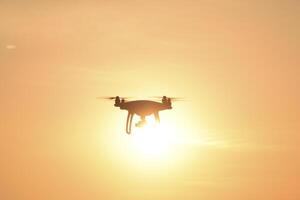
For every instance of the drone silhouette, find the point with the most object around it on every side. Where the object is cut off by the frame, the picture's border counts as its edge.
(141, 108)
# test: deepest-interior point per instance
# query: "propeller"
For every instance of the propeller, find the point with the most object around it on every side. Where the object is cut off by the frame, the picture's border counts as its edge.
(172, 98)
(177, 99)
(111, 98)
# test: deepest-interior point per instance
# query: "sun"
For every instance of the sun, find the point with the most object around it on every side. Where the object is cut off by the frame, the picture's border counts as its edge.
(154, 139)
(151, 147)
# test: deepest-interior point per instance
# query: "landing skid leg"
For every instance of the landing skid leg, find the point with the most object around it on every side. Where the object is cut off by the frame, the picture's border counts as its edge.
(129, 122)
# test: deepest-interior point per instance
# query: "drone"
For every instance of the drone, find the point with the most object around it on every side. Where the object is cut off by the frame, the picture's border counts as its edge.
(141, 108)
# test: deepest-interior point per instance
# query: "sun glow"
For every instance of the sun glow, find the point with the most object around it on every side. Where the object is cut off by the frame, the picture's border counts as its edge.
(154, 139)
(153, 146)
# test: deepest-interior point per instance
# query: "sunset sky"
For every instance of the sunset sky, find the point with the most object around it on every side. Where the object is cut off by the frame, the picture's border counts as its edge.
(235, 137)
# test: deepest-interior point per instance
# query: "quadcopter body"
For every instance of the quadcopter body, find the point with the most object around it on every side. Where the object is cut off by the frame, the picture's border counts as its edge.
(142, 108)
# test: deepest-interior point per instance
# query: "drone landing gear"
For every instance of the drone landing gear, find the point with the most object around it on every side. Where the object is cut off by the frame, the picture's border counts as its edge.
(129, 122)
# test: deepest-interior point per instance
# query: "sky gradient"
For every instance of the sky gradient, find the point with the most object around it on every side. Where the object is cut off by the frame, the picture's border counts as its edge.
(236, 63)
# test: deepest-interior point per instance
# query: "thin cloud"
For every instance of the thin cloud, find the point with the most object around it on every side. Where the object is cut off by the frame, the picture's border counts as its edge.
(11, 46)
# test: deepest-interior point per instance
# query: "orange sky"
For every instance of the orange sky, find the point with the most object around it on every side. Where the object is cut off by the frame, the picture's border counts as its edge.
(236, 63)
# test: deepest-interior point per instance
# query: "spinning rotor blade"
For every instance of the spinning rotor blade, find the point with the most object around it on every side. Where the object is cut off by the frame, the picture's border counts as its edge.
(106, 98)
(172, 98)
(156, 97)
(111, 98)
(177, 99)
